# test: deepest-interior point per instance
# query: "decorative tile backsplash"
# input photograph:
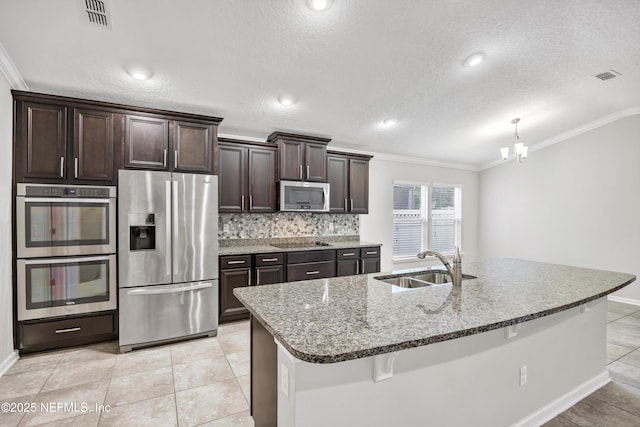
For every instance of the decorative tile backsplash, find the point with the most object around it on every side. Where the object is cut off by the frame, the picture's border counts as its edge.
(286, 224)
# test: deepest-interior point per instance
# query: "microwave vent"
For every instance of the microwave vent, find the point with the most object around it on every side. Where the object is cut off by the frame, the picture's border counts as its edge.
(97, 13)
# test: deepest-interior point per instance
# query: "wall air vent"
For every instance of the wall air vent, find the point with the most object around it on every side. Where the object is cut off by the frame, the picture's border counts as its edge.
(97, 13)
(608, 75)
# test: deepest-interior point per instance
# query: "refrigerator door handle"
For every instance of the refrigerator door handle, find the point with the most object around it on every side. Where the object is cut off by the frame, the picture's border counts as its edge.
(167, 256)
(146, 291)
(174, 230)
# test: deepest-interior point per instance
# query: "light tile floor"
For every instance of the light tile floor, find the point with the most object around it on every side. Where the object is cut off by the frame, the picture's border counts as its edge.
(205, 382)
(199, 382)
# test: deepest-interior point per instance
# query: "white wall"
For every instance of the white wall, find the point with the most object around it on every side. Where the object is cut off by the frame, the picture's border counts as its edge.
(6, 301)
(377, 225)
(576, 202)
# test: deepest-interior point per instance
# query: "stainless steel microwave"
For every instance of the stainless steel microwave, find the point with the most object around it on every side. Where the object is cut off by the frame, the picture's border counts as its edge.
(301, 196)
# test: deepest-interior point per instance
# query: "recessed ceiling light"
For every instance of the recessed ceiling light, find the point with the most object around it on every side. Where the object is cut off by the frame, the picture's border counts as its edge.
(139, 72)
(286, 100)
(389, 122)
(474, 59)
(319, 5)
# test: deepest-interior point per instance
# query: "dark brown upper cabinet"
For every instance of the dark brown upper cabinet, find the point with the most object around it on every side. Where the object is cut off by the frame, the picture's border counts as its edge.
(172, 145)
(146, 143)
(93, 145)
(302, 157)
(47, 151)
(349, 182)
(247, 177)
(41, 141)
(77, 141)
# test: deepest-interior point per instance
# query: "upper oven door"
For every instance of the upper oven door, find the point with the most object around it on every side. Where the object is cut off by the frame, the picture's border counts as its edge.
(65, 226)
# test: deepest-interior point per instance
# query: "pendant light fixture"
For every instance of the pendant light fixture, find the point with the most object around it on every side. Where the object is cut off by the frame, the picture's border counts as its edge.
(519, 148)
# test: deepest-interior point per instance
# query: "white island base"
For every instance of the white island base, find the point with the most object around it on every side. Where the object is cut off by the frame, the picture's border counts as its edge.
(522, 375)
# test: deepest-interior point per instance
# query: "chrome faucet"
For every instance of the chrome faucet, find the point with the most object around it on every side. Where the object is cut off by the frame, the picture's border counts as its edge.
(455, 272)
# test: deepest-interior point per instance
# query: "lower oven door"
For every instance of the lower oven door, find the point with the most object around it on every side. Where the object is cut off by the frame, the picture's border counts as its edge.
(157, 313)
(49, 287)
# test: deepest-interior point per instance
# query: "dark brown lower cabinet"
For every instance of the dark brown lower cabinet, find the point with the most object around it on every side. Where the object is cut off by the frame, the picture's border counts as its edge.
(358, 261)
(370, 265)
(38, 335)
(245, 270)
(268, 275)
(307, 265)
(230, 307)
(311, 270)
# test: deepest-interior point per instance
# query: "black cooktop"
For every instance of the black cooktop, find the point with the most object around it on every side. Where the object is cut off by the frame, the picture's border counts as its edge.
(300, 245)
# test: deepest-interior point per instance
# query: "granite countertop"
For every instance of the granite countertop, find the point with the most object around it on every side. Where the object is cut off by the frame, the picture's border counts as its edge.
(263, 246)
(344, 318)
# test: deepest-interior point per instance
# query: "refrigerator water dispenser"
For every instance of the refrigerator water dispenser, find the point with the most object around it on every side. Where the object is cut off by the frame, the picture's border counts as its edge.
(142, 232)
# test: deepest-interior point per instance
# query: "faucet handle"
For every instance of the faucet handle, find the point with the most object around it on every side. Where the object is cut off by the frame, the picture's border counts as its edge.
(456, 256)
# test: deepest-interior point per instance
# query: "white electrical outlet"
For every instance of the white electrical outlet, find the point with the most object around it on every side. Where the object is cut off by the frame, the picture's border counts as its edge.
(523, 375)
(225, 228)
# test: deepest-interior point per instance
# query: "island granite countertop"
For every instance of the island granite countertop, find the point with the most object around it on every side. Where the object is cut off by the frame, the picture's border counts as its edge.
(345, 318)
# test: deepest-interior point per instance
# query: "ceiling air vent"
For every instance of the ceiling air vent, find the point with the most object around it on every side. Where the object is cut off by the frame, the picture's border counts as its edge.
(608, 75)
(97, 13)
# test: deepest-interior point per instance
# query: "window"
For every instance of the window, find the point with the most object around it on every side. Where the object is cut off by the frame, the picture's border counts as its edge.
(425, 217)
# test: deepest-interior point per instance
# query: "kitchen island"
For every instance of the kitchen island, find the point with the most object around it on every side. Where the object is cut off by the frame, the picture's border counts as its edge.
(515, 346)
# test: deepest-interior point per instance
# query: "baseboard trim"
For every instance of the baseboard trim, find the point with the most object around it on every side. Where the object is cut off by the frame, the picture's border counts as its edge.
(8, 362)
(565, 402)
(624, 300)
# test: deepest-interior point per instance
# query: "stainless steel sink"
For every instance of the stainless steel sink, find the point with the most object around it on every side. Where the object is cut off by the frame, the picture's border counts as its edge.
(421, 279)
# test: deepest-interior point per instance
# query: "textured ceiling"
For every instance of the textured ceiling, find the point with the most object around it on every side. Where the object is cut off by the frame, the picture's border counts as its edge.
(349, 67)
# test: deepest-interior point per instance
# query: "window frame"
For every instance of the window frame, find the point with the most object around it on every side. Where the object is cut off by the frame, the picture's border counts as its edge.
(426, 234)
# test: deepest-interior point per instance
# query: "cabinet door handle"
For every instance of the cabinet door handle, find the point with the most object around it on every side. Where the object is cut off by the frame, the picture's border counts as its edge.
(361, 267)
(257, 276)
(349, 254)
(345, 205)
(357, 267)
(61, 167)
(75, 166)
(250, 203)
(64, 331)
(307, 171)
(235, 262)
(300, 171)
(351, 205)
(309, 273)
(242, 202)
(249, 284)
(175, 158)
(372, 252)
(164, 158)
(269, 259)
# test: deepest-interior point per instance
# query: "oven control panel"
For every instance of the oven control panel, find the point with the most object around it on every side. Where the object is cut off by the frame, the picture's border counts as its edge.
(85, 192)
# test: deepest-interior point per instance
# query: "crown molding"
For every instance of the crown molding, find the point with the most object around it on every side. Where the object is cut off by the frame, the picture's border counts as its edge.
(569, 134)
(10, 71)
(410, 159)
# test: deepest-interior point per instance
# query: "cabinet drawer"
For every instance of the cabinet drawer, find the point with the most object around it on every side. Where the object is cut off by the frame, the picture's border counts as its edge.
(269, 259)
(312, 270)
(370, 252)
(34, 334)
(235, 261)
(310, 256)
(348, 253)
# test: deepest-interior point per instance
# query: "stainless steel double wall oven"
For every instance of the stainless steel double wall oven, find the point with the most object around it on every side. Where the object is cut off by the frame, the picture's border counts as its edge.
(66, 246)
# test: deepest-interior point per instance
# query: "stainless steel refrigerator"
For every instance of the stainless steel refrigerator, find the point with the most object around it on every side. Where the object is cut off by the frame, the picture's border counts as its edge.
(167, 256)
